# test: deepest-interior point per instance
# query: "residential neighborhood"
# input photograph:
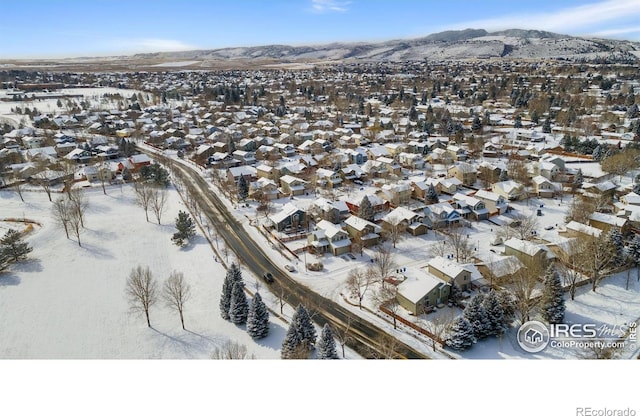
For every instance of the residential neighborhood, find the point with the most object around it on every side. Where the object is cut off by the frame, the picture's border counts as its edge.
(437, 184)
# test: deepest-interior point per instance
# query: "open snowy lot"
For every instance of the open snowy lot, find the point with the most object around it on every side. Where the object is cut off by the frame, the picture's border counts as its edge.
(69, 302)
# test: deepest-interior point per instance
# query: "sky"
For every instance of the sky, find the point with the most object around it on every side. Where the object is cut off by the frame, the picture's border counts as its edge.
(72, 28)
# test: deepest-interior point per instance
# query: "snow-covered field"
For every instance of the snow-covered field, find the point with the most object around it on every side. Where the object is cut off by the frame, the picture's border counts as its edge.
(68, 302)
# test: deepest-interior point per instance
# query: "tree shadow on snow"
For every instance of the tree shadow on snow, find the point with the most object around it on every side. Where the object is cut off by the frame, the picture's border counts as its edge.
(197, 240)
(9, 279)
(27, 266)
(275, 337)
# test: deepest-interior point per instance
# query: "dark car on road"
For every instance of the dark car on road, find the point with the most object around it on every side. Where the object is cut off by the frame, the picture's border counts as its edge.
(268, 277)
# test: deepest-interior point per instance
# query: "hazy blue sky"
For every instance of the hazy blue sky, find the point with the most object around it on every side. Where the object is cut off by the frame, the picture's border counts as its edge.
(56, 28)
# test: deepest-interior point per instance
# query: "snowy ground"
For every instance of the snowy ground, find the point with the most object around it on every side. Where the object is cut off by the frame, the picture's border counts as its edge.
(68, 301)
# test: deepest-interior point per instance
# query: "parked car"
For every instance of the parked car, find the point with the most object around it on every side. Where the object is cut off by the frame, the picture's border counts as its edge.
(290, 268)
(268, 277)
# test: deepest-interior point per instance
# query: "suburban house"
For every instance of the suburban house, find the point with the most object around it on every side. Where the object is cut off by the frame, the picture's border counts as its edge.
(80, 155)
(333, 211)
(249, 173)
(448, 185)
(465, 172)
(326, 178)
(362, 231)
(266, 171)
(329, 237)
(410, 221)
(396, 194)
(440, 215)
(420, 291)
(264, 187)
(605, 222)
(631, 198)
(470, 207)
(543, 187)
(600, 190)
(292, 186)
(290, 218)
(530, 254)
(576, 229)
(511, 190)
(495, 203)
(462, 275)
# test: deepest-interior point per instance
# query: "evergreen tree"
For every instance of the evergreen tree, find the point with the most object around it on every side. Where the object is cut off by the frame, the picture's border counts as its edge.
(495, 314)
(508, 307)
(535, 118)
(238, 307)
(301, 335)
(552, 302)
(634, 252)
(258, 318)
(477, 124)
(233, 275)
(12, 246)
(504, 176)
(546, 126)
(156, 174)
(477, 317)
(292, 345)
(597, 153)
(578, 179)
(186, 229)
(365, 210)
(243, 188)
(615, 238)
(460, 335)
(327, 344)
(431, 196)
(518, 122)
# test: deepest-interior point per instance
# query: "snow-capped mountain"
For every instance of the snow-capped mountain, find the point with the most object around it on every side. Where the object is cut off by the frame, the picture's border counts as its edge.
(449, 45)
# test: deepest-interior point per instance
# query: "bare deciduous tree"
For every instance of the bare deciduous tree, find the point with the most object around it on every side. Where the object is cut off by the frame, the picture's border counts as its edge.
(387, 296)
(158, 202)
(18, 187)
(359, 281)
(523, 226)
(42, 177)
(79, 203)
(394, 229)
(438, 325)
(570, 266)
(281, 294)
(387, 348)
(383, 262)
(524, 284)
(597, 257)
(144, 194)
(62, 213)
(142, 291)
(231, 350)
(176, 293)
(343, 334)
(456, 242)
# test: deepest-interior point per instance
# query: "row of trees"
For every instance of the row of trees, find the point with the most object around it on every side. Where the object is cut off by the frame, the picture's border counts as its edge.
(300, 339)
(235, 307)
(142, 292)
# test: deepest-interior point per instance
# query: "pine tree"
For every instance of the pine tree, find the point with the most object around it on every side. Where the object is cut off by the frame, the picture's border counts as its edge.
(518, 122)
(552, 302)
(546, 126)
(302, 337)
(233, 275)
(477, 317)
(460, 335)
(495, 314)
(186, 229)
(615, 238)
(508, 307)
(238, 307)
(327, 344)
(504, 176)
(13, 247)
(258, 318)
(477, 124)
(432, 196)
(243, 188)
(365, 210)
(578, 179)
(597, 153)
(292, 345)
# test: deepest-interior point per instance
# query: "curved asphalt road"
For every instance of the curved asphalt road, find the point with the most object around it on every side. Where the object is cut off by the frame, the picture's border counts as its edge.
(365, 336)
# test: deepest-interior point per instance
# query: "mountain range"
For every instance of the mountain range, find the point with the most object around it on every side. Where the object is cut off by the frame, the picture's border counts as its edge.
(448, 45)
